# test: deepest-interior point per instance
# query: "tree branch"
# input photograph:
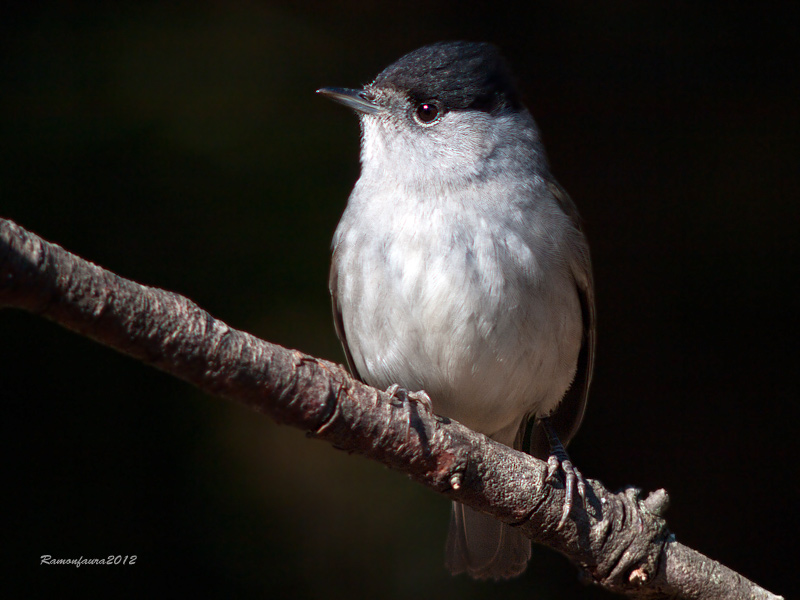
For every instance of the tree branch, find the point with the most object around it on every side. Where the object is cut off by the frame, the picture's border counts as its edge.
(621, 541)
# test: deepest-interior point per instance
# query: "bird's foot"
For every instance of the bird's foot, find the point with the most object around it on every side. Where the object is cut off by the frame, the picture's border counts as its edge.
(559, 459)
(408, 400)
(402, 394)
(573, 479)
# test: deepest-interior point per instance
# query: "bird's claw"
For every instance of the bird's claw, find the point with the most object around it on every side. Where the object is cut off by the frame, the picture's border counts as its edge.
(406, 398)
(402, 394)
(573, 478)
(559, 459)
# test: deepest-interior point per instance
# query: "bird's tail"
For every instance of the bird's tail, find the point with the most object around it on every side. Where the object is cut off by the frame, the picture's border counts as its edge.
(484, 547)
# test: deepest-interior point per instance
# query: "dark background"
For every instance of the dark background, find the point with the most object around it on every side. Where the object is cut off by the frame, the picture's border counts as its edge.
(182, 146)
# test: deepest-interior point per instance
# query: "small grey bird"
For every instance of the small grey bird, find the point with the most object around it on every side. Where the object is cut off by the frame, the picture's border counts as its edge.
(459, 268)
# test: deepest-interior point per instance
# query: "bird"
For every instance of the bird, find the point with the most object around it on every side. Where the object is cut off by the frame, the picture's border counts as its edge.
(460, 269)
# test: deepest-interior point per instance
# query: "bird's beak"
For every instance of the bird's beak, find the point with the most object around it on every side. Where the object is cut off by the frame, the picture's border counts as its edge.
(355, 99)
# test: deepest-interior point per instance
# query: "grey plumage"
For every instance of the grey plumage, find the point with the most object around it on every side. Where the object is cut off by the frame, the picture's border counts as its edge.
(459, 266)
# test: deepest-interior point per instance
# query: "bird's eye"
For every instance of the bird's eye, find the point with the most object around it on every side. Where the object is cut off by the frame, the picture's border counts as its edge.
(427, 112)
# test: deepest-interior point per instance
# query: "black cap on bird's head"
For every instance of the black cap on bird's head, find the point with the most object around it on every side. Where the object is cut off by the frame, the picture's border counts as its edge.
(459, 75)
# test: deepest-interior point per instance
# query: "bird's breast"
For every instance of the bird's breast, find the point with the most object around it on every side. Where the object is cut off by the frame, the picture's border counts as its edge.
(473, 310)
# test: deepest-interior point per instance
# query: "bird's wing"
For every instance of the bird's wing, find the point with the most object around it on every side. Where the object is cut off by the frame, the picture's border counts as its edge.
(567, 418)
(338, 322)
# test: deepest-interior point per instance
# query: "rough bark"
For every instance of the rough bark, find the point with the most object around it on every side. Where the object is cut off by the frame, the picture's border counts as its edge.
(620, 540)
